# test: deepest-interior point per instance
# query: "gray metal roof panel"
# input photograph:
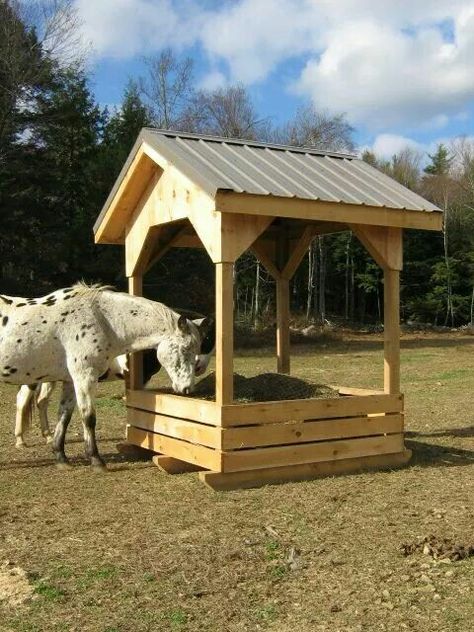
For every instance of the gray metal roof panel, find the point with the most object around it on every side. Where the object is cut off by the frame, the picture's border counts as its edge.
(245, 166)
(265, 169)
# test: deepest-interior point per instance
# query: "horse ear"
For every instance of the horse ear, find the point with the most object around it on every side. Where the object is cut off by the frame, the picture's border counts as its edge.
(204, 325)
(183, 324)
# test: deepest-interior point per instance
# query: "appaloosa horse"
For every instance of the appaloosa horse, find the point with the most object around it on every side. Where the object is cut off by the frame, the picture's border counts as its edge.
(71, 336)
(39, 394)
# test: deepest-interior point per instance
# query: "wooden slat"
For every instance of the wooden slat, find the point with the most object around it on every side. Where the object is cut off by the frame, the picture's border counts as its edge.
(191, 431)
(231, 202)
(303, 409)
(310, 452)
(349, 390)
(197, 454)
(306, 471)
(175, 406)
(303, 432)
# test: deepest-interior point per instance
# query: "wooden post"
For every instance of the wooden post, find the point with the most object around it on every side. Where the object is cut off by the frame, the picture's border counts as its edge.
(283, 325)
(135, 360)
(224, 333)
(283, 302)
(391, 331)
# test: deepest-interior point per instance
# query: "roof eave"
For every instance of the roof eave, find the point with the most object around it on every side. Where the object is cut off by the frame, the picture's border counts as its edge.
(298, 208)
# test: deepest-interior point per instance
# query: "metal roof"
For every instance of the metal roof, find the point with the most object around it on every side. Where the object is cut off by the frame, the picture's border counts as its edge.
(282, 170)
(246, 166)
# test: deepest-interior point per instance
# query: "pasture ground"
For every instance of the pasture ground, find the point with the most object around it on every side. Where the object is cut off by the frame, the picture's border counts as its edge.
(136, 550)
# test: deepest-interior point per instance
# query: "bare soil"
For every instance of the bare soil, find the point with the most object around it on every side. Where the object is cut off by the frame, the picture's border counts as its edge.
(136, 550)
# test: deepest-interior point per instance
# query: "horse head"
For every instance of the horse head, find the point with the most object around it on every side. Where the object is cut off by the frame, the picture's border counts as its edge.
(179, 350)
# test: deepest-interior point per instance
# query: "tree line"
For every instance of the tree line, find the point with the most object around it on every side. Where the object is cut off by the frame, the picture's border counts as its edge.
(60, 153)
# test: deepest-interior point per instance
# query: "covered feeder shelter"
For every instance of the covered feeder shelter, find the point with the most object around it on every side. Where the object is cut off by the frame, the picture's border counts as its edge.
(228, 196)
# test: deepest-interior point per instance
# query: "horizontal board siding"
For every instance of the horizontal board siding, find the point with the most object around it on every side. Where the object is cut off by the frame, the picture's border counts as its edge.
(191, 431)
(175, 406)
(176, 448)
(310, 452)
(303, 409)
(306, 431)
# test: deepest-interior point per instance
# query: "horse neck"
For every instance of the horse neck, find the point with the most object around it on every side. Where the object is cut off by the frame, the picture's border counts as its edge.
(137, 322)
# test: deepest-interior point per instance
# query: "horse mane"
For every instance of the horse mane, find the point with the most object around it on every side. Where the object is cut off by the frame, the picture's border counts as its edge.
(81, 288)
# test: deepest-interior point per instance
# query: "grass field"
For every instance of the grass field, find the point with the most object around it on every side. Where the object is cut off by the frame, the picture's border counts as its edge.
(136, 550)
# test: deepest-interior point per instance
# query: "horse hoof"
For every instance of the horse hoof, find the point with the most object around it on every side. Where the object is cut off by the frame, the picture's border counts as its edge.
(63, 466)
(49, 439)
(99, 467)
(20, 446)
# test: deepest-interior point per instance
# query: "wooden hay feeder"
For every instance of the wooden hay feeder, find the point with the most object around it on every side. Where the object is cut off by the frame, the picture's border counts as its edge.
(183, 190)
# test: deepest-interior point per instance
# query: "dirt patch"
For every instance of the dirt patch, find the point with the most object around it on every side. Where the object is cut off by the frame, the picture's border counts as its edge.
(15, 588)
(266, 387)
(439, 548)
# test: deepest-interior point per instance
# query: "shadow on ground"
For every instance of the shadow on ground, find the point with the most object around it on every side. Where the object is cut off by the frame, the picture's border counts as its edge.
(432, 455)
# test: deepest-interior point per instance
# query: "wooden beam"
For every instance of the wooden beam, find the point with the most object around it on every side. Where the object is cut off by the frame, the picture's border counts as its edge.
(383, 243)
(174, 466)
(224, 333)
(264, 250)
(124, 201)
(283, 325)
(298, 252)
(391, 331)
(307, 471)
(230, 202)
(162, 247)
(283, 302)
(135, 360)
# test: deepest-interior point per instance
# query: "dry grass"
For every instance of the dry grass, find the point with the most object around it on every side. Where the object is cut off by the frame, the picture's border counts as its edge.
(137, 550)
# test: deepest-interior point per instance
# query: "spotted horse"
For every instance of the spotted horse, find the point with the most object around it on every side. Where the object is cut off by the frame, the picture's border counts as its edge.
(40, 394)
(71, 335)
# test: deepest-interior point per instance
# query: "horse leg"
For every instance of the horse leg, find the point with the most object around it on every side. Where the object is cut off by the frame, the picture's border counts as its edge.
(42, 402)
(66, 408)
(24, 401)
(86, 387)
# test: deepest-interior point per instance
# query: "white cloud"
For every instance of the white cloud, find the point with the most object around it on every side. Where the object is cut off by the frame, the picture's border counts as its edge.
(124, 28)
(384, 76)
(386, 145)
(213, 80)
(387, 64)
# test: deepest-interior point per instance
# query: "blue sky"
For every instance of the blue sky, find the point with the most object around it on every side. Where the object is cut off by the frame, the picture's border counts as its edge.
(402, 71)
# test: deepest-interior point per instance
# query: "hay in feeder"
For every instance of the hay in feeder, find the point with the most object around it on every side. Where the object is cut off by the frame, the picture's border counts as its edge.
(266, 387)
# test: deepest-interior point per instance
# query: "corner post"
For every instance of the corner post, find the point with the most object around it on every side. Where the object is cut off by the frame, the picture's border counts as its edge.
(283, 302)
(391, 331)
(283, 324)
(224, 333)
(135, 360)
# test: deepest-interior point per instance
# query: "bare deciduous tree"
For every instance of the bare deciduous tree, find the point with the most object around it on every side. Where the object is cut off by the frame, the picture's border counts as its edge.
(320, 129)
(168, 89)
(227, 112)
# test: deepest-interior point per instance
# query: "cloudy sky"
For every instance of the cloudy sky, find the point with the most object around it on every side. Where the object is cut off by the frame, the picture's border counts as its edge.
(402, 70)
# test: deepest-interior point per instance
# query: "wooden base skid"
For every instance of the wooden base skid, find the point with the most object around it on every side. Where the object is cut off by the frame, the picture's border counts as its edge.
(242, 439)
(307, 471)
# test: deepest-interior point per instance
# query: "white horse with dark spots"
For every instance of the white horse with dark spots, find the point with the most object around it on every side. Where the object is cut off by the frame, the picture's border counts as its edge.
(72, 335)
